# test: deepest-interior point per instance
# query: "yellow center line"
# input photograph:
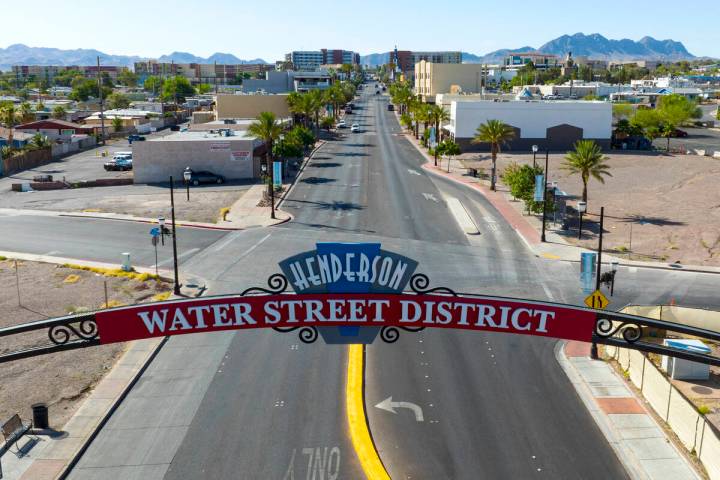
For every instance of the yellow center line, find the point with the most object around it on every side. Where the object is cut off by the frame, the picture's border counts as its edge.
(357, 422)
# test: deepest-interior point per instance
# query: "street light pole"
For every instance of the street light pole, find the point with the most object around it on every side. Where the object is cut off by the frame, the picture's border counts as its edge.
(176, 287)
(547, 155)
(534, 150)
(593, 347)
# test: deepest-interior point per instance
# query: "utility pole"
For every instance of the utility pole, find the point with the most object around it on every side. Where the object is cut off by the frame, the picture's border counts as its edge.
(102, 111)
(547, 157)
(599, 264)
(176, 287)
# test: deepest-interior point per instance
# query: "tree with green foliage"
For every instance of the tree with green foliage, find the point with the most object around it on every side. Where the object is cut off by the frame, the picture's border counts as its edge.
(26, 112)
(84, 89)
(176, 89)
(302, 136)
(520, 179)
(59, 113)
(128, 78)
(117, 100)
(587, 160)
(65, 79)
(268, 129)
(327, 123)
(436, 115)
(117, 124)
(39, 142)
(153, 84)
(9, 117)
(448, 148)
(622, 110)
(204, 88)
(496, 133)
(106, 80)
(401, 94)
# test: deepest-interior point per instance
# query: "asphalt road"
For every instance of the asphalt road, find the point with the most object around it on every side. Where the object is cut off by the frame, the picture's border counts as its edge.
(96, 240)
(264, 405)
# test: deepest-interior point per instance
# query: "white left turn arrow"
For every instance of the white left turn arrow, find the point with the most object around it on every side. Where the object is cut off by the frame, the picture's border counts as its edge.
(390, 406)
(414, 172)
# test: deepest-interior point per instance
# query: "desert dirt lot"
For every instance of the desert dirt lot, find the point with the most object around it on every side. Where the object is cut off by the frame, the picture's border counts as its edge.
(657, 207)
(60, 379)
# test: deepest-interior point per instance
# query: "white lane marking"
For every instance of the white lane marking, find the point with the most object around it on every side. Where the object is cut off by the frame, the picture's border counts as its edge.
(431, 196)
(462, 217)
(390, 406)
(414, 172)
(184, 254)
(53, 252)
(225, 242)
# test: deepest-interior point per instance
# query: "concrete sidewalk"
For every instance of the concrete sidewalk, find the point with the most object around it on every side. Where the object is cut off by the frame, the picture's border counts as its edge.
(245, 213)
(529, 227)
(638, 440)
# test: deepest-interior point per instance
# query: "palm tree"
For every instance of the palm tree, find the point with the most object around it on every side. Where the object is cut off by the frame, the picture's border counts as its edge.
(316, 102)
(437, 115)
(588, 160)
(496, 133)
(9, 117)
(26, 112)
(268, 129)
(59, 113)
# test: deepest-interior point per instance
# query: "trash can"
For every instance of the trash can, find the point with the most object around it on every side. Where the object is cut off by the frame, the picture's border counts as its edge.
(40, 416)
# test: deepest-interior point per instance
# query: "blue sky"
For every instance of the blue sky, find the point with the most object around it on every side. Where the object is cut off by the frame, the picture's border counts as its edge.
(270, 28)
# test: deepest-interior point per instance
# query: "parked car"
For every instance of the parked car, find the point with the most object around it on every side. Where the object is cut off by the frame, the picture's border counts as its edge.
(679, 133)
(119, 163)
(355, 127)
(391, 107)
(348, 110)
(175, 128)
(203, 176)
(135, 138)
(341, 124)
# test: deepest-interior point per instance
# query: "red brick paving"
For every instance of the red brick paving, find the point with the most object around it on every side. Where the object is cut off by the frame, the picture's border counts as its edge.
(620, 405)
(577, 349)
(43, 470)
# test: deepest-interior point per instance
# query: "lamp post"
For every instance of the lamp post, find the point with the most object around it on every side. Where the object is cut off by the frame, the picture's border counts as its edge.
(581, 208)
(593, 347)
(187, 175)
(534, 150)
(547, 156)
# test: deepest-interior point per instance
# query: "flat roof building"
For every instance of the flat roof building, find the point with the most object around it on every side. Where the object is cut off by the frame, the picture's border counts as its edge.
(197, 73)
(541, 61)
(312, 59)
(436, 78)
(250, 106)
(234, 155)
(553, 125)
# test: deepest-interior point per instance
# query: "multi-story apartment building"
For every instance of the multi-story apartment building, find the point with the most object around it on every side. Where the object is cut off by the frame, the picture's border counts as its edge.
(199, 72)
(48, 72)
(541, 61)
(309, 60)
(405, 60)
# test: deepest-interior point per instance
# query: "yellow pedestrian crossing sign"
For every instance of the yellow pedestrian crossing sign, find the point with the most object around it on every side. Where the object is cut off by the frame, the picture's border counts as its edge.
(597, 300)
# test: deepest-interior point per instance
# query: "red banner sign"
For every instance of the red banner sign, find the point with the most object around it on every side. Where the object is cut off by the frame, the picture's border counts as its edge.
(370, 310)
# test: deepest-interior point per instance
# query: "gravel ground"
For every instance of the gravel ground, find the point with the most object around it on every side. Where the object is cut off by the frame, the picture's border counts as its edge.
(204, 206)
(670, 203)
(60, 379)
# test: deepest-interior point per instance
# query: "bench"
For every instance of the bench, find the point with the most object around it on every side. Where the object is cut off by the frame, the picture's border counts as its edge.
(472, 166)
(13, 430)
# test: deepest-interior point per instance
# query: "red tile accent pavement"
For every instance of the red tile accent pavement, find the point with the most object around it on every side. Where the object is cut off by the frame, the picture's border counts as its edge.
(577, 349)
(43, 470)
(620, 405)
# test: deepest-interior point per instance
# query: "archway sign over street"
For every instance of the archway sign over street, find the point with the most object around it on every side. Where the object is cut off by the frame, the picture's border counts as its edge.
(351, 293)
(348, 293)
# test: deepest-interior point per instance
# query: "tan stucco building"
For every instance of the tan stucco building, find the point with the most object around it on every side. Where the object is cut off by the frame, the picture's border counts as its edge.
(250, 106)
(434, 78)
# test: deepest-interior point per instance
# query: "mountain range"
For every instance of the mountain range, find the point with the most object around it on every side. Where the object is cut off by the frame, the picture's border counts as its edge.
(20, 54)
(594, 46)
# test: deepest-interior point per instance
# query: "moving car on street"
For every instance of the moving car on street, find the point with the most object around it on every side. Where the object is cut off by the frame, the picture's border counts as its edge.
(355, 128)
(341, 124)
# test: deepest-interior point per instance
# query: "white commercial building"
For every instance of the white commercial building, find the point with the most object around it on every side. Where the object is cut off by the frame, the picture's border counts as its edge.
(232, 154)
(554, 125)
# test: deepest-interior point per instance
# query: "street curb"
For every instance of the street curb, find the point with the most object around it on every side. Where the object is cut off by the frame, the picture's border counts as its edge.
(300, 172)
(628, 461)
(149, 221)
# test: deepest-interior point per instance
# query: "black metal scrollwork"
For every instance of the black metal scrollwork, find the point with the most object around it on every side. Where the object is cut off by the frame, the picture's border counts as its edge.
(306, 334)
(63, 333)
(277, 283)
(419, 283)
(631, 331)
(392, 334)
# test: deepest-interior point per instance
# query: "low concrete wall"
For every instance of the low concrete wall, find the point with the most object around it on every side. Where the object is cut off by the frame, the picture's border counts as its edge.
(100, 182)
(694, 431)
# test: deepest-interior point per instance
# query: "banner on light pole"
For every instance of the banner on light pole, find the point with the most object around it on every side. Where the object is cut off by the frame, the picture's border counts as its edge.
(587, 271)
(539, 188)
(277, 174)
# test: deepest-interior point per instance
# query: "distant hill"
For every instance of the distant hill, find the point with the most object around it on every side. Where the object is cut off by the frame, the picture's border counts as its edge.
(594, 46)
(20, 54)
